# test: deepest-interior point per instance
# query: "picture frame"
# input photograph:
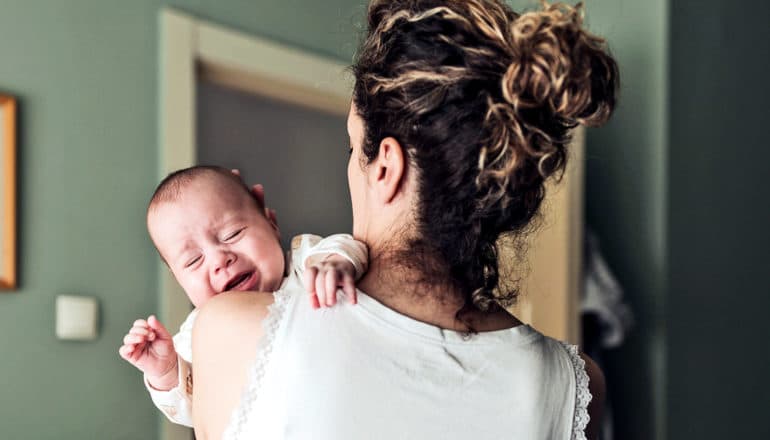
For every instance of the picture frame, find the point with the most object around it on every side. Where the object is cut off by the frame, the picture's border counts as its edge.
(8, 152)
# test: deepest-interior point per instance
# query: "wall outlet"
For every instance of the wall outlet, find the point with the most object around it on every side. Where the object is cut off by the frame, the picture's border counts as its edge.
(76, 317)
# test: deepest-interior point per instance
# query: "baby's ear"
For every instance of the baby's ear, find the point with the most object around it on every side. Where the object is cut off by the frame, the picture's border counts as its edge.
(273, 219)
(274, 224)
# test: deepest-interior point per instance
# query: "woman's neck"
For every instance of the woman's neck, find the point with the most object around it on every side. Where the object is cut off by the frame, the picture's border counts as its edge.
(400, 288)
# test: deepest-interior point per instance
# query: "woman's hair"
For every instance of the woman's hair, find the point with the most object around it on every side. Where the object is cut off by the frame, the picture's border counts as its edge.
(483, 100)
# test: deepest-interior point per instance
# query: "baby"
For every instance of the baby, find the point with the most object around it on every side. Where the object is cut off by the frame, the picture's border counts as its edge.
(215, 236)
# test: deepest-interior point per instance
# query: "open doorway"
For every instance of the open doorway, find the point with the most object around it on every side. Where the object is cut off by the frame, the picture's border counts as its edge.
(298, 153)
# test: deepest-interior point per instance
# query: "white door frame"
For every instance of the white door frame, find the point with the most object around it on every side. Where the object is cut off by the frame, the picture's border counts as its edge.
(190, 48)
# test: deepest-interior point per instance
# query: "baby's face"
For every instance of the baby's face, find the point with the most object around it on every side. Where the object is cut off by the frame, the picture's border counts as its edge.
(215, 239)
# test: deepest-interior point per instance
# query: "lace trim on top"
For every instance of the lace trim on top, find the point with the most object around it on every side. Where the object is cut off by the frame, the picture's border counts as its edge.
(271, 323)
(583, 395)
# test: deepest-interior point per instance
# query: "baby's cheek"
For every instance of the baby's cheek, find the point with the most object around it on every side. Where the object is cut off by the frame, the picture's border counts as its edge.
(274, 271)
(197, 293)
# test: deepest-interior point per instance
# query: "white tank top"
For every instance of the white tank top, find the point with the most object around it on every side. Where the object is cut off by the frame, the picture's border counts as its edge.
(368, 372)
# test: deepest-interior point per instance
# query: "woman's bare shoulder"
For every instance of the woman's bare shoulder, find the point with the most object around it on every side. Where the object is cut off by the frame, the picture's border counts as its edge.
(225, 339)
(228, 323)
(229, 320)
(236, 309)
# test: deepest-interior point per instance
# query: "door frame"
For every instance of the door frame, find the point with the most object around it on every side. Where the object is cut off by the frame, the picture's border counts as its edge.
(189, 49)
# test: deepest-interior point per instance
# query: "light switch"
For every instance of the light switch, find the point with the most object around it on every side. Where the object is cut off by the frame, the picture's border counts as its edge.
(76, 317)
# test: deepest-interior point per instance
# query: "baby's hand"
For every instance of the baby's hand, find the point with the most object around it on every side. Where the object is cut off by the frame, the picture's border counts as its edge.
(149, 347)
(323, 278)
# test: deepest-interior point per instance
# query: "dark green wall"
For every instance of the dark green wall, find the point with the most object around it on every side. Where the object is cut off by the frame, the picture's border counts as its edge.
(85, 72)
(719, 294)
(626, 177)
(676, 189)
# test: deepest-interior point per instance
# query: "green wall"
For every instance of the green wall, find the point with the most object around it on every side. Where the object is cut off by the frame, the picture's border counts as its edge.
(85, 73)
(719, 294)
(676, 189)
(626, 203)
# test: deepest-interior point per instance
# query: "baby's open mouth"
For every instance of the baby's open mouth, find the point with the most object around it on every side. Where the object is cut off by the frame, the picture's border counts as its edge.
(242, 281)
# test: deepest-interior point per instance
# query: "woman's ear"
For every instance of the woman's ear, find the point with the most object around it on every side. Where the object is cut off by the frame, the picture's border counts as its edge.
(389, 169)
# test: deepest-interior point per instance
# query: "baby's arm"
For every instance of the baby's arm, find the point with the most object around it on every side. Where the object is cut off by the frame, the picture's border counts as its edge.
(175, 403)
(334, 262)
(150, 348)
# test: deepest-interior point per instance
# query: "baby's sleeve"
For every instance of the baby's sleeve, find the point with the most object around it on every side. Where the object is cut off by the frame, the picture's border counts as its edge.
(176, 403)
(306, 246)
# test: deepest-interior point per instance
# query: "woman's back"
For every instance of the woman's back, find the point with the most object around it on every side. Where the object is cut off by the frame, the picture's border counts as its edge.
(355, 372)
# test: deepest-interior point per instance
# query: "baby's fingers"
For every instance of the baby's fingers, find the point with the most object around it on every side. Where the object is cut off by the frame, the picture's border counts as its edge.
(147, 333)
(134, 339)
(320, 289)
(125, 351)
(331, 287)
(130, 352)
(349, 287)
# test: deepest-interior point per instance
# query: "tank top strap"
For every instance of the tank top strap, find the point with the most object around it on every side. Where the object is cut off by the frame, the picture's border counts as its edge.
(582, 393)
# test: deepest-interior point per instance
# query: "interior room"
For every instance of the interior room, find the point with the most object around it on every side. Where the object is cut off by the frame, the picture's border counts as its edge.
(652, 255)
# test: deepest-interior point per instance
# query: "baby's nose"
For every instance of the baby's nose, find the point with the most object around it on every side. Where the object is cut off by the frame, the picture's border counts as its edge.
(226, 260)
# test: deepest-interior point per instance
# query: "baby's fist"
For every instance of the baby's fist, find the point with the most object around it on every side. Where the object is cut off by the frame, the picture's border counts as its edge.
(149, 347)
(322, 279)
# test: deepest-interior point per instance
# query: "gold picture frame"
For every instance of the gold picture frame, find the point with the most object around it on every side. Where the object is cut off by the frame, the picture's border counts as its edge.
(7, 192)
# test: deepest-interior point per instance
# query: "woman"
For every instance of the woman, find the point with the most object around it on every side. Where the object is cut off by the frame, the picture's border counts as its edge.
(461, 110)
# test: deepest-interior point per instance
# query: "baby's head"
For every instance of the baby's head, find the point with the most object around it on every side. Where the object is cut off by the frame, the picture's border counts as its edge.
(213, 234)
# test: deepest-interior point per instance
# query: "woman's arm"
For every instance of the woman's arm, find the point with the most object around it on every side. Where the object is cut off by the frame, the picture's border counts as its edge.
(597, 388)
(225, 337)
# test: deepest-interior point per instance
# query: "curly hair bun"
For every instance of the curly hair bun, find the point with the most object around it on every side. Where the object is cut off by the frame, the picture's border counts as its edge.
(559, 76)
(559, 64)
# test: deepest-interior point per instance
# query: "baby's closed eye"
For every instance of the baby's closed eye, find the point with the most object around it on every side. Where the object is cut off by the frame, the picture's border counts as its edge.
(191, 262)
(232, 235)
